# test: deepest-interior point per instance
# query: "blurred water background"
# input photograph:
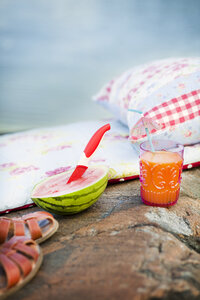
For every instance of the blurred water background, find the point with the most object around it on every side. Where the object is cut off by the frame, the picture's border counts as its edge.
(56, 54)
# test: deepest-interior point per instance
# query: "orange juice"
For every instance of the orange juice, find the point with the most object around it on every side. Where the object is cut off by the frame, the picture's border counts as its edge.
(160, 176)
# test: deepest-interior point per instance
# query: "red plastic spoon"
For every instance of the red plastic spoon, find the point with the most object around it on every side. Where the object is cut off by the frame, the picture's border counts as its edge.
(89, 150)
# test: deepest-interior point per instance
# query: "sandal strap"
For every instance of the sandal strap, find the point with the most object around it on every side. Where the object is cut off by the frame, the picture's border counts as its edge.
(21, 243)
(11, 269)
(4, 229)
(26, 250)
(39, 215)
(22, 261)
(19, 227)
(34, 228)
(12, 242)
(17, 258)
(18, 239)
(32, 222)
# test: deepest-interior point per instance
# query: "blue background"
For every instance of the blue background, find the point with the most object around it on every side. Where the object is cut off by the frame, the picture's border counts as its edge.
(55, 54)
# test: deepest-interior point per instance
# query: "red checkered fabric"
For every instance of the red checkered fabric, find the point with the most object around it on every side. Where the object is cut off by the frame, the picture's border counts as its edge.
(177, 110)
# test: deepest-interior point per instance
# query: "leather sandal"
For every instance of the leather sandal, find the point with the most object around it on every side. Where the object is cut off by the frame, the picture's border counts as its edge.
(38, 226)
(20, 259)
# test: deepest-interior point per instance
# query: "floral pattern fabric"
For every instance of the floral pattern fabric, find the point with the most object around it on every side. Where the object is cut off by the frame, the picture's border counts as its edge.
(28, 157)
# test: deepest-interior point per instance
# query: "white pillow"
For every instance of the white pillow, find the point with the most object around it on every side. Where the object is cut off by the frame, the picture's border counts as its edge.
(168, 91)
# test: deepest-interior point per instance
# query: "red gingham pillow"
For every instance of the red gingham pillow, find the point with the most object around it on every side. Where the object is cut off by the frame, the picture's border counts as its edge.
(168, 91)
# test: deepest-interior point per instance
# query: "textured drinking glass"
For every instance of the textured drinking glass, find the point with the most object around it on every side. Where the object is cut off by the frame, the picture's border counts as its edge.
(160, 172)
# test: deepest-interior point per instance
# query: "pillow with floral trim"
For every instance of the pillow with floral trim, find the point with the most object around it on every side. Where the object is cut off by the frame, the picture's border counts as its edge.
(167, 91)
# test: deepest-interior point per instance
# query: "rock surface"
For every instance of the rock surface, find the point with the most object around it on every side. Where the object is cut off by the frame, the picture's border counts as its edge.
(122, 249)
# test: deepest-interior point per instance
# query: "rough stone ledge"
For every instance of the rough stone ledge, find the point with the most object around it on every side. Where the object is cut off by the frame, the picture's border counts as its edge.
(137, 263)
(181, 220)
(122, 249)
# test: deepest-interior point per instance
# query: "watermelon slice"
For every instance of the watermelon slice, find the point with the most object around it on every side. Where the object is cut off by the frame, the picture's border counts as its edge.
(54, 195)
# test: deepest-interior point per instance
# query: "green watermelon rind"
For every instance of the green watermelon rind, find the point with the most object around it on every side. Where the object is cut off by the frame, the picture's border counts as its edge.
(73, 202)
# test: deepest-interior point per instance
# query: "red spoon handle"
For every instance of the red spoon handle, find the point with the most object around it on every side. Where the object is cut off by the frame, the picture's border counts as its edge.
(95, 140)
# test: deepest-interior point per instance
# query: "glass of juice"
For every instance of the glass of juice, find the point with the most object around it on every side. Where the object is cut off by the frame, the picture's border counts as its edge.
(160, 172)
